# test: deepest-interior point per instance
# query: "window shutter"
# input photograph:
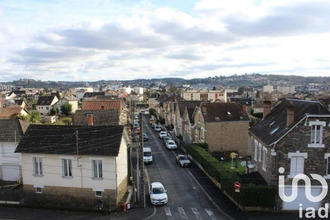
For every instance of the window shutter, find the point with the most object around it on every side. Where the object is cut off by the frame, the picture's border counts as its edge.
(40, 165)
(70, 167)
(100, 168)
(94, 168)
(35, 166)
(63, 167)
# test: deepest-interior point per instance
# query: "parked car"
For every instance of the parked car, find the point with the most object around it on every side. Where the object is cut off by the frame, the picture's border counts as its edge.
(165, 139)
(136, 124)
(162, 134)
(137, 131)
(183, 160)
(158, 128)
(147, 155)
(145, 137)
(158, 195)
(171, 145)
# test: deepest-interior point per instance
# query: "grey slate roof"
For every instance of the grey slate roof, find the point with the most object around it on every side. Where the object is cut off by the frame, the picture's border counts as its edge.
(8, 128)
(273, 127)
(45, 100)
(100, 117)
(219, 112)
(189, 104)
(93, 94)
(92, 140)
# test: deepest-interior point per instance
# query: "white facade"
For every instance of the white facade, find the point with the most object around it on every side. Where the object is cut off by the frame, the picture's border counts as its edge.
(268, 88)
(286, 89)
(44, 109)
(9, 162)
(114, 170)
(207, 95)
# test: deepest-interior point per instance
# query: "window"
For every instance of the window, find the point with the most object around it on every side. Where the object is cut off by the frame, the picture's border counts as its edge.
(260, 146)
(38, 190)
(97, 168)
(98, 193)
(327, 157)
(37, 166)
(264, 158)
(296, 163)
(316, 133)
(66, 168)
(47, 108)
(255, 150)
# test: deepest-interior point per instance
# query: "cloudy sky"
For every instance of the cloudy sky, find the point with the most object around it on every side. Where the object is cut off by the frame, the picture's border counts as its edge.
(129, 39)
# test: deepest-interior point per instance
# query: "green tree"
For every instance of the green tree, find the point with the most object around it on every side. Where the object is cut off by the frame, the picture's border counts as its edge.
(35, 117)
(22, 117)
(53, 111)
(66, 108)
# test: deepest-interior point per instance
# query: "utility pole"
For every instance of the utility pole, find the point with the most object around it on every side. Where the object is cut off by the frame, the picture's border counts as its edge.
(142, 185)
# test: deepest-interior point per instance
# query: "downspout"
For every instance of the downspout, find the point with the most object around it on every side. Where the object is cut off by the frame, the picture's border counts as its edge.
(116, 191)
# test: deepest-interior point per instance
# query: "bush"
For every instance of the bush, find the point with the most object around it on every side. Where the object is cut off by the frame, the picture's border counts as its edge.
(250, 195)
(203, 145)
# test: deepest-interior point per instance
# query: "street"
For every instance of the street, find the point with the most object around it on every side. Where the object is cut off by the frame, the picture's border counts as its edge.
(186, 198)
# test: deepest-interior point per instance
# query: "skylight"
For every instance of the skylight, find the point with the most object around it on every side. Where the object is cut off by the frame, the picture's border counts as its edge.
(274, 130)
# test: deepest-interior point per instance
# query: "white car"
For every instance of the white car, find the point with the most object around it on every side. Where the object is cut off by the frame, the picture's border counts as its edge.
(158, 128)
(171, 145)
(162, 134)
(147, 155)
(158, 195)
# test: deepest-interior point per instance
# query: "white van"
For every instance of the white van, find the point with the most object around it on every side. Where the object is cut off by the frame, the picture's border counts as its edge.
(147, 155)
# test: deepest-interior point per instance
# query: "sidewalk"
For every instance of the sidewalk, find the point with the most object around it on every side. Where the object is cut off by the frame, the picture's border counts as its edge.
(134, 213)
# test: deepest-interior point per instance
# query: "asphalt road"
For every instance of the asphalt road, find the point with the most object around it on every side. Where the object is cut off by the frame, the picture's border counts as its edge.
(187, 200)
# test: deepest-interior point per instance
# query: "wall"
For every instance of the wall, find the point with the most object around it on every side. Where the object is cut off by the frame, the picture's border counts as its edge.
(122, 169)
(227, 136)
(8, 157)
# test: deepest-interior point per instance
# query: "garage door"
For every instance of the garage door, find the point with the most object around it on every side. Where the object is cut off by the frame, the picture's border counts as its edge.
(10, 172)
(301, 198)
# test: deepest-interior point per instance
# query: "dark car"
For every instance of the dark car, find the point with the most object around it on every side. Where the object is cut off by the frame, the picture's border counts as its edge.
(145, 137)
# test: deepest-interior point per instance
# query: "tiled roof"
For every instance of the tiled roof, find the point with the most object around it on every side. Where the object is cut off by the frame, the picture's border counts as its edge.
(101, 104)
(10, 112)
(100, 117)
(45, 100)
(11, 127)
(93, 94)
(219, 112)
(19, 102)
(92, 140)
(189, 104)
(273, 126)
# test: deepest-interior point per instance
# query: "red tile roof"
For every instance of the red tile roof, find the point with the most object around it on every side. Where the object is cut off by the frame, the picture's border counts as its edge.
(10, 112)
(102, 104)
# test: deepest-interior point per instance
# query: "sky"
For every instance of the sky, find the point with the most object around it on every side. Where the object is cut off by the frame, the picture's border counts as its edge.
(89, 40)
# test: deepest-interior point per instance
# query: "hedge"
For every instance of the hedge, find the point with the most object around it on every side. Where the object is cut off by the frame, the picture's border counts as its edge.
(250, 195)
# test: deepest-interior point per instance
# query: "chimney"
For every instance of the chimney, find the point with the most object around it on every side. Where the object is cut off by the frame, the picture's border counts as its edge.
(290, 114)
(244, 109)
(90, 119)
(267, 108)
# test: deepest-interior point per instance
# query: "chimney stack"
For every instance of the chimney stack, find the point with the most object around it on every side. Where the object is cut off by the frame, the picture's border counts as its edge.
(267, 108)
(90, 119)
(244, 109)
(290, 114)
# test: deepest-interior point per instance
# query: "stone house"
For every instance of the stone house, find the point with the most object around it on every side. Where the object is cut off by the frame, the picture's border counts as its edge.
(223, 126)
(11, 133)
(96, 117)
(294, 135)
(77, 163)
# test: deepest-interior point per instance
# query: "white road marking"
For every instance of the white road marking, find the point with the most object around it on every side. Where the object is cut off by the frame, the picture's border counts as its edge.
(182, 213)
(168, 211)
(195, 211)
(210, 213)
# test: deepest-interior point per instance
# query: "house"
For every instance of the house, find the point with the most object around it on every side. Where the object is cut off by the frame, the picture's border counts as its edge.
(96, 117)
(293, 136)
(103, 104)
(75, 163)
(45, 103)
(20, 102)
(205, 95)
(12, 111)
(188, 122)
(223, 126)
(72, 101)
(11, 133)
(93, 94)
(179, 113)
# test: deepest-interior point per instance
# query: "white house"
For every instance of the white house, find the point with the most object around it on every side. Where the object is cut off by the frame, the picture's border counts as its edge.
(12, 131)
(45, 103)
(77, 162)
(72, 101)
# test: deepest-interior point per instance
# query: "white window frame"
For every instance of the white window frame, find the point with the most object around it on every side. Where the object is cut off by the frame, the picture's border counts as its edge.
(37, 166)
(68, 162)
(327, 157)
(97, 174)
(98, 191)
(293, 156)
(264, 158)
(313, 125)
(259, 148)
(256, 143)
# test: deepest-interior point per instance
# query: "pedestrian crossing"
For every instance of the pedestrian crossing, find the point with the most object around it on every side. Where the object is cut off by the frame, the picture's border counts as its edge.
(188, 213)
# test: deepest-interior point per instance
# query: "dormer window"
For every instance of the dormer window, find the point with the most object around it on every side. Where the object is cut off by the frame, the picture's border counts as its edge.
(316, 133)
